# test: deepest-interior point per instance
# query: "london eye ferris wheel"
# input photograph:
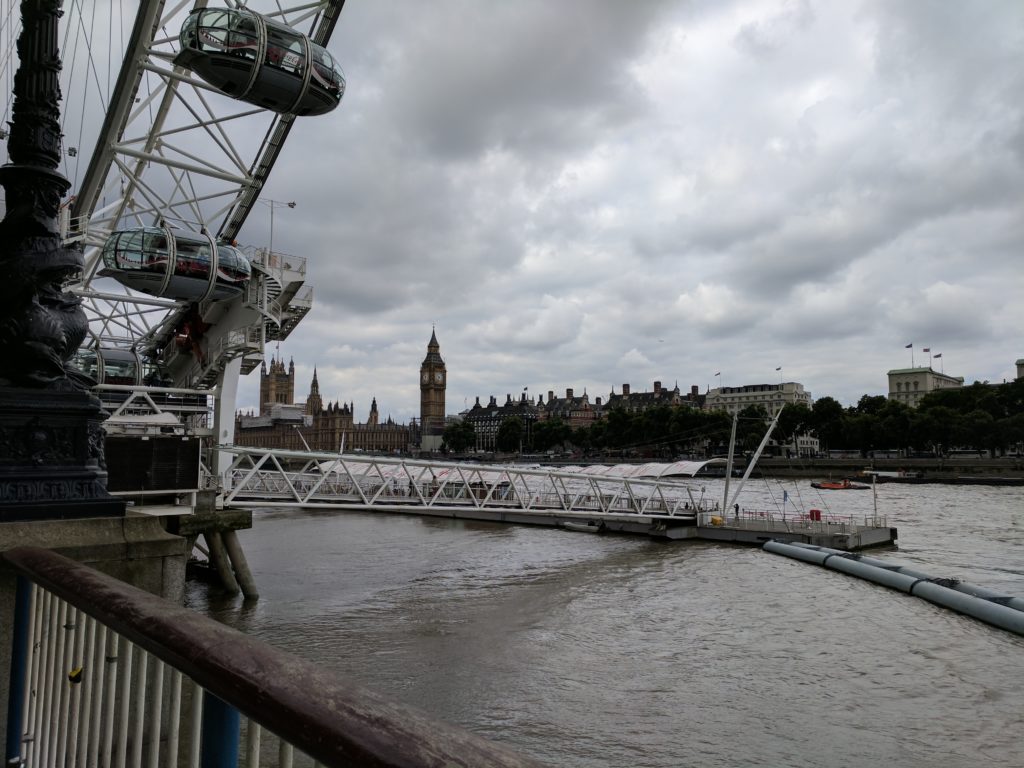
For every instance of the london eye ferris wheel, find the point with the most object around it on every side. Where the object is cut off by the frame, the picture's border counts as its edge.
(172, 121)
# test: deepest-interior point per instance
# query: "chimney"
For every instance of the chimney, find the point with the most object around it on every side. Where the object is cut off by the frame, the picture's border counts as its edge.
(508, 398)
(625, 390)
(551, 395)
(597, 402)
(568, 393)
(694, 392)
(657, 387)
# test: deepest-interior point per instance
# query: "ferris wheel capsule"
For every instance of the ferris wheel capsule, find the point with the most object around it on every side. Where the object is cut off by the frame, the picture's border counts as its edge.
(255, 59)
(179, 265)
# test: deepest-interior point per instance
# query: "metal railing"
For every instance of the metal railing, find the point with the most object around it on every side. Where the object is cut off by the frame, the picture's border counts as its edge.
(128, 404)
(104, 674)
(814, 521)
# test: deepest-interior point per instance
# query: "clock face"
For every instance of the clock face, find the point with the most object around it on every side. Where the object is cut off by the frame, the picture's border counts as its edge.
(425, 377)
(438, 377)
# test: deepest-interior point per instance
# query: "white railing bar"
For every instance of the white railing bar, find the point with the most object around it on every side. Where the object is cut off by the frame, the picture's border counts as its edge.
(29, 700)
(138, 692)
(285, 755)
(47, 733)
(252, 745)
(174, 719)
(156, 700)
(106, 712)
(92, 684)
(196, 735)
(75, 677)
(125, 650)
(67, 641)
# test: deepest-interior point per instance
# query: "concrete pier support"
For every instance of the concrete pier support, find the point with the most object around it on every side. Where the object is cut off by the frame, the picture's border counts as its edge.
(241, 565)
(219, 558)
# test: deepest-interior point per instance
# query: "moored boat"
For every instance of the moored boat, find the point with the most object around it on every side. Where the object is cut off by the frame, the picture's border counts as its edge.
(839, 485)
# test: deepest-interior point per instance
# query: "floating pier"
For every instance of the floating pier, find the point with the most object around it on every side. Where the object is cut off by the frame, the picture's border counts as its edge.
(839, 532)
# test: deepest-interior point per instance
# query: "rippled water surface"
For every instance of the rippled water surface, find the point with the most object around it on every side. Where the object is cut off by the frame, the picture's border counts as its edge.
(586, 650)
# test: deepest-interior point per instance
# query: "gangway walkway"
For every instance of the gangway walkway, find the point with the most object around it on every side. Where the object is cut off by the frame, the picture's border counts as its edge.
(263, 477)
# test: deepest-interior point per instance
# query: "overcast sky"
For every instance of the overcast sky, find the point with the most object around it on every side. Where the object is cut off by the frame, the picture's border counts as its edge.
(584, 194)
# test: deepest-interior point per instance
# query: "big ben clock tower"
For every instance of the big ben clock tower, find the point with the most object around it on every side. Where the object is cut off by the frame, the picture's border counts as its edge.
(433, 381)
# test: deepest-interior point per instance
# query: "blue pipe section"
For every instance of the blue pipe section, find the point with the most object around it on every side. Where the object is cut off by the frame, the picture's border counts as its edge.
(911, 582)
(19, 670)
(221, 727)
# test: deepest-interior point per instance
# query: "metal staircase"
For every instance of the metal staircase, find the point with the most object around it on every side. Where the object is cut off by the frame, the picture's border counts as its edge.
(277, 292)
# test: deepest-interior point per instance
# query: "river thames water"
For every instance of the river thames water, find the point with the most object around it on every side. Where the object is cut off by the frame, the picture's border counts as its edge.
(586, 650)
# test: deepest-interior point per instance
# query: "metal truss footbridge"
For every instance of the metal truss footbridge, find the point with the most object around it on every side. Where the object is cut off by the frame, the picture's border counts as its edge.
(599, 495)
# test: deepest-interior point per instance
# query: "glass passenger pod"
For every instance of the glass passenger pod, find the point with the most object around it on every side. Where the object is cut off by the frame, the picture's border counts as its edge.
(176, 265)
(260, 61)
(110, 365)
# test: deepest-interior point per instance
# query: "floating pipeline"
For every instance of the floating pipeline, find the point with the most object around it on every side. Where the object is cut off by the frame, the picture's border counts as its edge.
(955, 584)
(999, 610)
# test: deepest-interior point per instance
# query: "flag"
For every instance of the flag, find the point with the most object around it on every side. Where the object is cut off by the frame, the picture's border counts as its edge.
(911, 344)
(937, 356)
(927, 349)
(526, 389)
(779, 368)
(718, 374)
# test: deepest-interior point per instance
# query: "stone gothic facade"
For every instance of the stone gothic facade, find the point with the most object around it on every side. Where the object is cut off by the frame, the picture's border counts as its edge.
(313, 425)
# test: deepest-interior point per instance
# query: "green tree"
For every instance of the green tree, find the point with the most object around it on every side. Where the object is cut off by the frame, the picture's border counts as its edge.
(871, 404)
(510, 434)
(550, 433)
(827, 422)
(893, 428)
(750, 429)
(459, 436)
(794, 420)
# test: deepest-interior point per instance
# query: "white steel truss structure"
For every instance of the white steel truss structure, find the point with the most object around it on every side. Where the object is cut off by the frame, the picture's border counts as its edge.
(265, 477)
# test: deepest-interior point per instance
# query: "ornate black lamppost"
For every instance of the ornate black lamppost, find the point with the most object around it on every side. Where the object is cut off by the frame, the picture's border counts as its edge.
(51, 441)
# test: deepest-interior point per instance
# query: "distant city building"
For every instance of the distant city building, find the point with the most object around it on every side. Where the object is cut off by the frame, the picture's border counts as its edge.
(486, 420)
(1020, 369)
(771, 397)
(909, 385)
(433, 382)
(282, 423)
(635, 402)
(575, 410)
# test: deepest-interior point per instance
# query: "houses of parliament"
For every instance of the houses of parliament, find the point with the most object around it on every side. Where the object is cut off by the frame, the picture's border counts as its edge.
(318, 426)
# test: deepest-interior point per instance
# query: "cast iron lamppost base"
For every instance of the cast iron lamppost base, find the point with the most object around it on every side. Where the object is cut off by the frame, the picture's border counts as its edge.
(51, 438)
